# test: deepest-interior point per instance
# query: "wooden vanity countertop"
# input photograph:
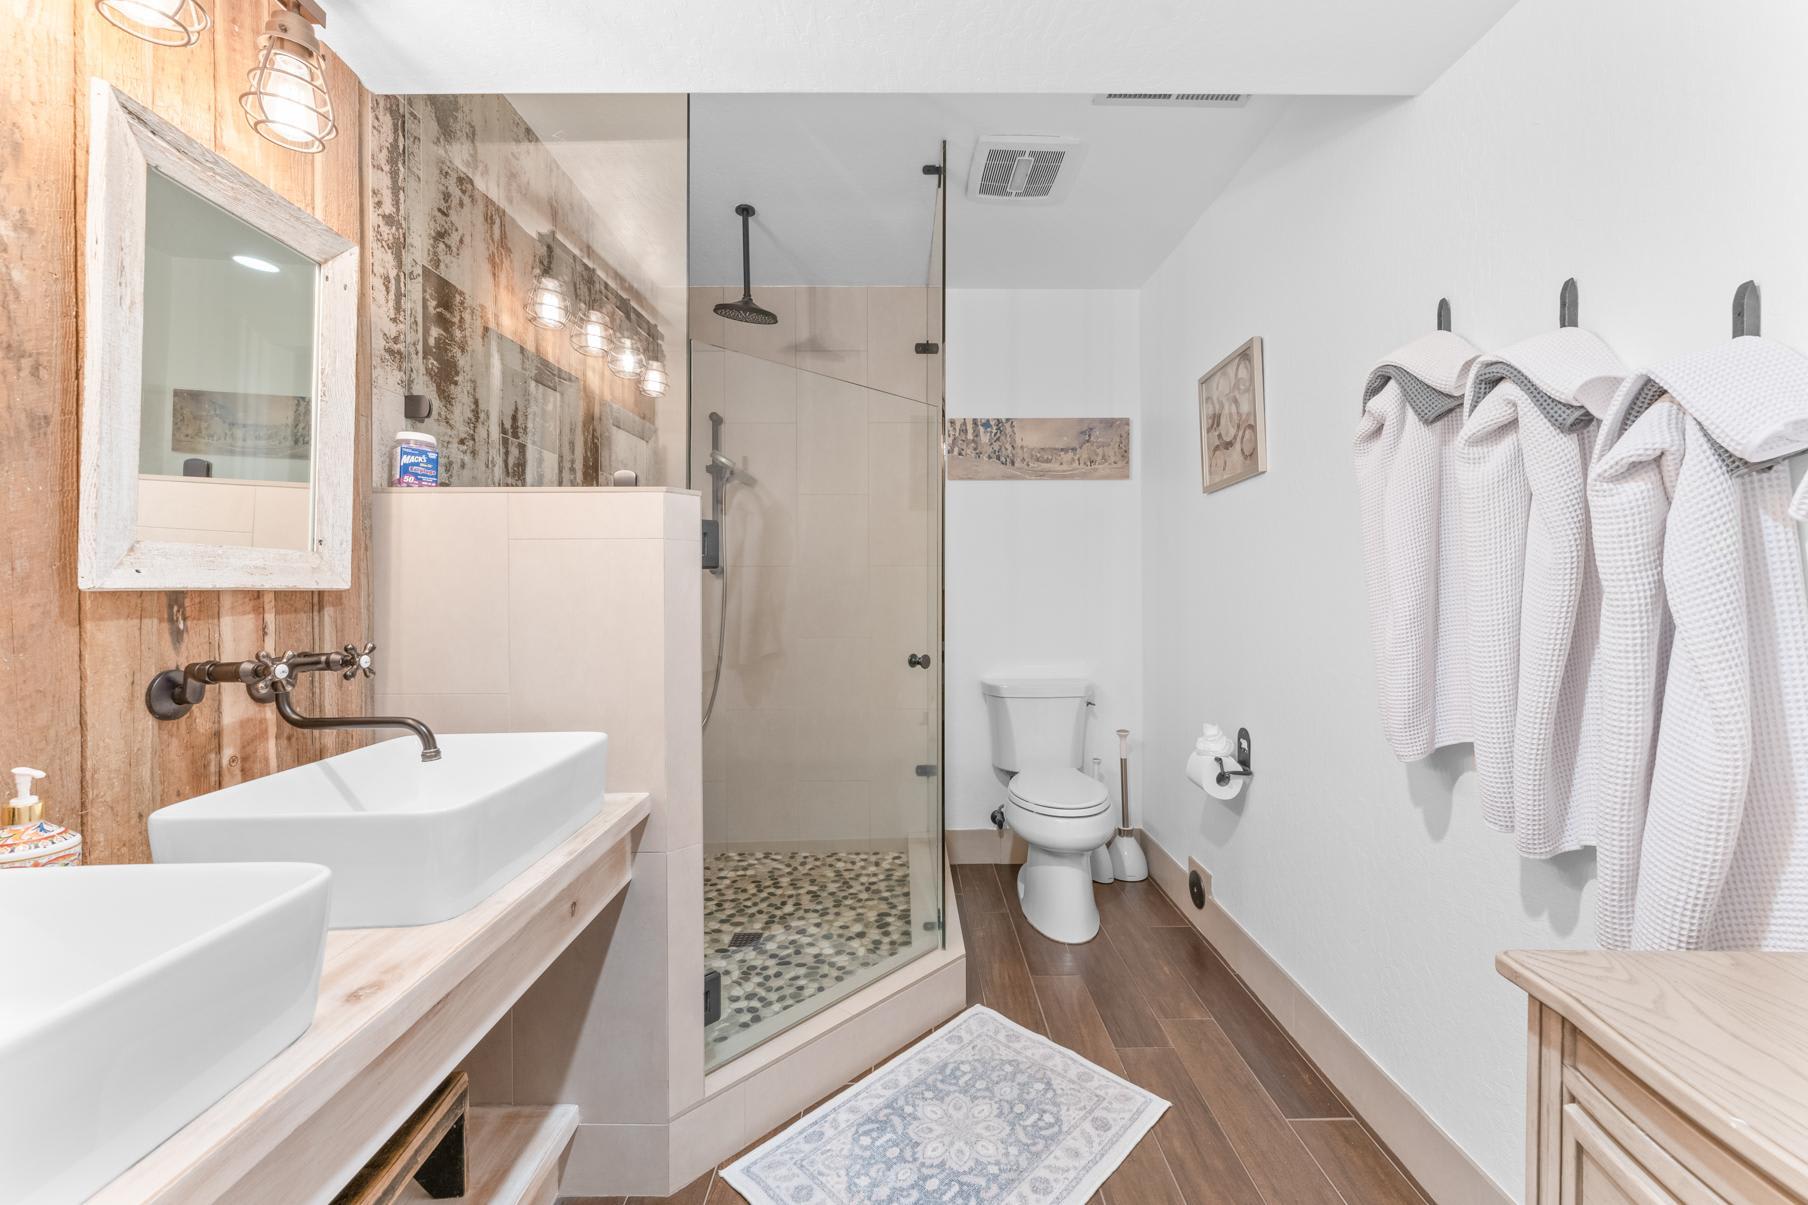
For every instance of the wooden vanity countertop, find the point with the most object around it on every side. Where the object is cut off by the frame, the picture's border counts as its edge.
(1721, 1036)
(394, 1005)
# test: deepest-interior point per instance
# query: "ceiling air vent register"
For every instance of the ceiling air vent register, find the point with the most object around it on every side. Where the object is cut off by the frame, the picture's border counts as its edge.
(1175, 100)
(1023, 169)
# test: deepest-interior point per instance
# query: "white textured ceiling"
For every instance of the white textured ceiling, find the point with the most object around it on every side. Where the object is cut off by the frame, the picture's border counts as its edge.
(1268, 46)
(838, 183)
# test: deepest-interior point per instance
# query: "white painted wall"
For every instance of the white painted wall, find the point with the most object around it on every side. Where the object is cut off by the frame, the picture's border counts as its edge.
(1644, 149)
(1041, 576)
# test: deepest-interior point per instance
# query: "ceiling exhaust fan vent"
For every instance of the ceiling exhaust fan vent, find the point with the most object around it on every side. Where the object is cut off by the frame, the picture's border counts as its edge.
(1175, 100)
(1023, 169)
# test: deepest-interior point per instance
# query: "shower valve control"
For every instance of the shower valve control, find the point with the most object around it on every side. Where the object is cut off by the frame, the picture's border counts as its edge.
(919, 661)
(712, 544)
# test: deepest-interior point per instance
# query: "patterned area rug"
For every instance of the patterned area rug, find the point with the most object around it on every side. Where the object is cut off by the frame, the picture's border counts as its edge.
(982, 1112)
(783, 927)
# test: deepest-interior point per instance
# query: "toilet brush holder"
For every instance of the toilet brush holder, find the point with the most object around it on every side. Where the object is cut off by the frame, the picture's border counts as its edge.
(1127, 861)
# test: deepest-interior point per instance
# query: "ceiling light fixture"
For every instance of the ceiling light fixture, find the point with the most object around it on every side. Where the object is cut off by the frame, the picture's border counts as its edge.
(159, 22)
(288, 102)
(546, 306)
(591, 338)
(255, 264)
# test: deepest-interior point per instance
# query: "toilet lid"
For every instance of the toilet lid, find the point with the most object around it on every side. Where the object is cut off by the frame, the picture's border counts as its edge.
(1059, 790)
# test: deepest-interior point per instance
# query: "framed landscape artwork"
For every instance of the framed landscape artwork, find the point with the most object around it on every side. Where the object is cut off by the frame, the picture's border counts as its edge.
(1038, 449)
(1233, 429)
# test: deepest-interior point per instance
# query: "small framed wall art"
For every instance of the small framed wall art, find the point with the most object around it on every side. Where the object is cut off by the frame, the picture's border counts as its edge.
(1233, 428)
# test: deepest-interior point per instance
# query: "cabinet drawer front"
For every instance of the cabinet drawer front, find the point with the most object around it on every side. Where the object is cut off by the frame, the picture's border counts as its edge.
(1598, 1171)
(1700, 1163)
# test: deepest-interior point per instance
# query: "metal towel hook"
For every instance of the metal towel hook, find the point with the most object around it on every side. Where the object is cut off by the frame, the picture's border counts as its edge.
(1568, 304)
(1443, 313)
(1748, 307)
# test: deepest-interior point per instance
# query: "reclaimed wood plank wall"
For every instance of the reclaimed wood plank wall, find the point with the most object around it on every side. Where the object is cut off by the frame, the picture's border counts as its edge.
(74, 666)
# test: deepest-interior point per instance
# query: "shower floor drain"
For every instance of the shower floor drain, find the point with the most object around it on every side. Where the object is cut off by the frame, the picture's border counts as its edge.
(741, 941)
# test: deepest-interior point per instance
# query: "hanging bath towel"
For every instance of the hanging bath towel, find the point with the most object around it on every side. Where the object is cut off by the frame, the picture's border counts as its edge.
(1411, 541)
(1702, 770)
(1534, 599)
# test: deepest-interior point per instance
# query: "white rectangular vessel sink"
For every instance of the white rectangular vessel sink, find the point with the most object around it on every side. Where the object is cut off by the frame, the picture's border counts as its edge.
(409, 842)
(133, 997)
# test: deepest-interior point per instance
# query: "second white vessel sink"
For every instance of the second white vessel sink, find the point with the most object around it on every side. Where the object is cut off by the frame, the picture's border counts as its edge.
(409, 842)
(133, 997)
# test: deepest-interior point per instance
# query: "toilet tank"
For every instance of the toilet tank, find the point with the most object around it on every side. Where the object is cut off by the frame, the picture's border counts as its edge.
(1036, 721)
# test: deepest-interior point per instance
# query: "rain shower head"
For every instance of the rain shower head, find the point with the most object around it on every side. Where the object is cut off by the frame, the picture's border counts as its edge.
(746, 309)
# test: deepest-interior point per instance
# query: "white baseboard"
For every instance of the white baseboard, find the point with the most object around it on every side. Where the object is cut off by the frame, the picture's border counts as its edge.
(1442, 1167)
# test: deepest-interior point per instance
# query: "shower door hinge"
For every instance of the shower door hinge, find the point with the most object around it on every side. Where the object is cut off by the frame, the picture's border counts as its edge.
(932, 169)
(928, 349)
(926, 771)
(934, 926)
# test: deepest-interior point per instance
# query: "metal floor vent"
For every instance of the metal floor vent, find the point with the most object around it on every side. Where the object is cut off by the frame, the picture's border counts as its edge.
(1024, 168)
(1172, 100)
(741, 941)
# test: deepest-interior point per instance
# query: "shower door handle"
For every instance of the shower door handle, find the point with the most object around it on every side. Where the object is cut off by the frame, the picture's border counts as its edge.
(919, 661)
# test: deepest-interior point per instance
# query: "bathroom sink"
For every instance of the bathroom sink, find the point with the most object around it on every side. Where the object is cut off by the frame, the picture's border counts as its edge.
(409, 842)
(132, 998)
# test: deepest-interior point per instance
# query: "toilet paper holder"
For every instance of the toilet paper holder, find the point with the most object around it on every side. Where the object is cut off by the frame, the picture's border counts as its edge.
(1244, 770)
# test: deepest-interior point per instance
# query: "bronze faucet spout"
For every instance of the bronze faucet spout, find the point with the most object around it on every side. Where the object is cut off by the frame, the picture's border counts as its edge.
(429, 744)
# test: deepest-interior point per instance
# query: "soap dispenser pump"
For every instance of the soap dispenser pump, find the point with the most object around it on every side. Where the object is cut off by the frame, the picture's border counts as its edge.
(26, 838)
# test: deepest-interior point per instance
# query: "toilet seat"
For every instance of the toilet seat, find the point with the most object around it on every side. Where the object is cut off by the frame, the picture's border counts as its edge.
(1059, 791)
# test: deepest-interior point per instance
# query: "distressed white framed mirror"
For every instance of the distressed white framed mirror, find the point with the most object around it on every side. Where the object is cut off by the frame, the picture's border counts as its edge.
(218, 380)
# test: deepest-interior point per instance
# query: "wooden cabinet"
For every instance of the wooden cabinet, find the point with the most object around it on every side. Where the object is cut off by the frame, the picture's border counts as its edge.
(1665, 1079)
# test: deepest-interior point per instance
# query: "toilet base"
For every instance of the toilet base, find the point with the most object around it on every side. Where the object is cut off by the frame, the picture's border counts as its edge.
(1055, 889)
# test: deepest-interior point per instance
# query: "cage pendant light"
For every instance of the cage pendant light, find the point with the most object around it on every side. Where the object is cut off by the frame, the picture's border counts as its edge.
(591, 338)
(546, 305)
(653, 381)
(159, 22)
(288, 102)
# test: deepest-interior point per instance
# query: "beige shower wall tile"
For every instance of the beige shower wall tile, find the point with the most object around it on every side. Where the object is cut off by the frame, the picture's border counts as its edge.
(705, 323)
(902, 456)
(896, 321)
(449, 713)
(829, 600)
(832, 529)
(831, 436)
(755, 390)
(761, 516)
(831, 318)
(842, 365)
(441, 586)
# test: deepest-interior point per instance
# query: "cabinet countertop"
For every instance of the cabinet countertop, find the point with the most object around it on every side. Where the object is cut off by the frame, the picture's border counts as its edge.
(1722, 1036)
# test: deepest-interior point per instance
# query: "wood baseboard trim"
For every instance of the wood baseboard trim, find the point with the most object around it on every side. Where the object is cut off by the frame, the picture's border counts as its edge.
(1441, 1167)
(973, 846)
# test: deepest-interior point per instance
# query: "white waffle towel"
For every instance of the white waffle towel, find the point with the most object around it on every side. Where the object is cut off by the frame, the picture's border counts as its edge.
(1412, 542)
(1534, 598)
(1702, 732)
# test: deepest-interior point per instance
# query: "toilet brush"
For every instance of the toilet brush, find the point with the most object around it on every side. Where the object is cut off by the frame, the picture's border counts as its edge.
(1101, 857)
(1127, 861)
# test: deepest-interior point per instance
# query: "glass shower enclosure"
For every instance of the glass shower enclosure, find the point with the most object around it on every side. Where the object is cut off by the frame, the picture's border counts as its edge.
(816, 442)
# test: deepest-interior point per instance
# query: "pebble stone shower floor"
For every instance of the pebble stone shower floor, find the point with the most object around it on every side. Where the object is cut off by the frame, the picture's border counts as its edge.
(821, 918)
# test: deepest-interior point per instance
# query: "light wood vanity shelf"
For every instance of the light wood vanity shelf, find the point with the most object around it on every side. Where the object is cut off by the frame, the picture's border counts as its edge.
(398, 1009)
(1665, 1077)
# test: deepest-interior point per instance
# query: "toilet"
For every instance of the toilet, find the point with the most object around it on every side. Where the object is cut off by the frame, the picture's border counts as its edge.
(1038, 730)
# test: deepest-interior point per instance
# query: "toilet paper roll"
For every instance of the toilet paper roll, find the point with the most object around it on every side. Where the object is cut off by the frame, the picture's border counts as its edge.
(1202, 769)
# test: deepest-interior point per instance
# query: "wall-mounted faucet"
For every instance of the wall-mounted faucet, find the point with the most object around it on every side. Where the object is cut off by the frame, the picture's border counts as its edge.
(173, 693)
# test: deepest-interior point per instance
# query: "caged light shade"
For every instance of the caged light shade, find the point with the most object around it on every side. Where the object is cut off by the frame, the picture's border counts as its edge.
(591, 338)
(546, 305)
(653, 381)
(625, 357)
(288, 101)
(159, 22)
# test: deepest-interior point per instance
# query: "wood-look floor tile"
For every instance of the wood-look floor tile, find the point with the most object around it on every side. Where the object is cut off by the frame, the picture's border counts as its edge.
(1289, 1077)
(1074, 1021)
(1127, 1016)
(694, 1193)
(1204, 1163)
(1358, 1167)
(1273, 1155)
(1152, 903)
(721, 1193)
(1160, 981)
(977, 885)
(1004, 979)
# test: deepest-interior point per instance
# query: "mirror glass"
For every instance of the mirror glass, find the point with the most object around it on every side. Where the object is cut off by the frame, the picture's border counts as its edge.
(228, 411)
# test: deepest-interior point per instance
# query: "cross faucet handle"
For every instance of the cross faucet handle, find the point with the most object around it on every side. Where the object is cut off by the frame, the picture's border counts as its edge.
(276, 673)
(360, 661)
